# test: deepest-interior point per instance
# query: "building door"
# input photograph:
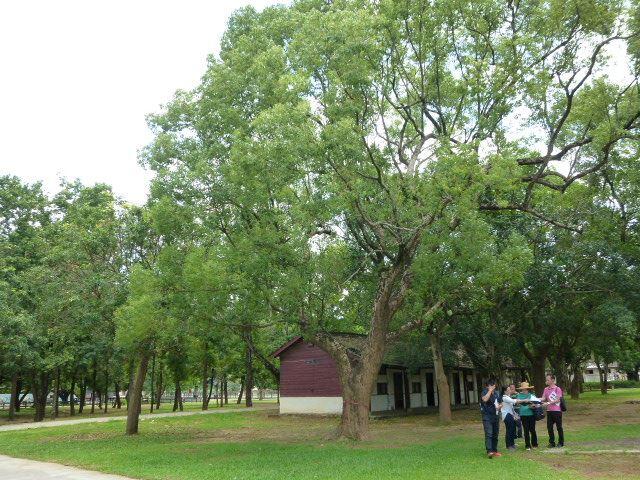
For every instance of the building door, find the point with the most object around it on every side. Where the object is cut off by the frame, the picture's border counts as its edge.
(431, 393)
(455, 378)
(398, 390)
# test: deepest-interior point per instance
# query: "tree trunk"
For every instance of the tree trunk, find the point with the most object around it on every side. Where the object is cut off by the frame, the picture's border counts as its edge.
(576, 381)
(248, 384)
(241, 392)
(205, 384)
(160, 387)
(153, 373)
(118, 399)
(106, 388)
(604, 377)
(93, 388)
(56, 395)
(538, 373)
(72, 402)
(177, 397)
(40, 392)
(14, 396)
(83, 394)
(444, 394)
(131, 382)
(18, 400)
(226, 391)
(135, 396)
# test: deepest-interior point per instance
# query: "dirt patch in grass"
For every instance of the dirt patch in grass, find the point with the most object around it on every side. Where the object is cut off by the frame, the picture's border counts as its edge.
(597, 466)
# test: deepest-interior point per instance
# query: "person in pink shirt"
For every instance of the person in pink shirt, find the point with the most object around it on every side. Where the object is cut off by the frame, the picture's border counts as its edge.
(552, 397)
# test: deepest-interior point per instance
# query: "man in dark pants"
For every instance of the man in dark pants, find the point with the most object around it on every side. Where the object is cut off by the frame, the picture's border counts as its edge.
(490, 421)
(552, 397)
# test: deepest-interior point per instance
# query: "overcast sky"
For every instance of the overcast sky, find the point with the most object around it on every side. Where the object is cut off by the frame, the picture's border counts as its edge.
(78, 77)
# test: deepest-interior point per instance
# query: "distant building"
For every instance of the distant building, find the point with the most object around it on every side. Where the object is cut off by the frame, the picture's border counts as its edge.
(591, 373)
(309, 382)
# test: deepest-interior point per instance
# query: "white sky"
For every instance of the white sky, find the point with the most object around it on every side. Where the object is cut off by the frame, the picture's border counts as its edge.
(77, 78)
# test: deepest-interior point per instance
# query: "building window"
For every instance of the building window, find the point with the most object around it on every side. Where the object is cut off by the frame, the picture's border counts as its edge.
(382, 388)
(416, 387)
(590, 371)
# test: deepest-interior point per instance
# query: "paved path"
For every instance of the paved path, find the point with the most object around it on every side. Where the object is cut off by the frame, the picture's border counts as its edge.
(58, 423)
(19, 469)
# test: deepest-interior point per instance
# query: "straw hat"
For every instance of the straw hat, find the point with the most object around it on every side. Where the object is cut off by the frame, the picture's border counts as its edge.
(525, 386)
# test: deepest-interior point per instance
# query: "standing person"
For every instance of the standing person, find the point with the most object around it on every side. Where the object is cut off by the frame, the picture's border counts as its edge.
(526, 414)
(552, 396)
(509, 416)
(489, 407)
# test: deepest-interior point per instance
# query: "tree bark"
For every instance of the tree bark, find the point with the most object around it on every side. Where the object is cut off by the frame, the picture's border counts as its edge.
(135, 396)
(241, 391)
(56, 395)
(226, 392)
(83, 394)
(576, 381)
(444, 394)
(160, 389)
(18, 400)
(153, 373)
(14, 396)
(72, 402)
(93, 388)
(118, 404)
(106, 388)
(538, 373)
(131, 382)
(248, 384)
(40, 392)
(177, 397)
(205, 383)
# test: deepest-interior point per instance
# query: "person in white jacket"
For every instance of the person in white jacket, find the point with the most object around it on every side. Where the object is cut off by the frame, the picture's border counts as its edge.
(509, 416)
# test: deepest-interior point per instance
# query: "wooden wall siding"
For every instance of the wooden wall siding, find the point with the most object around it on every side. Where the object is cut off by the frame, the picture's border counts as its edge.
(308, 371)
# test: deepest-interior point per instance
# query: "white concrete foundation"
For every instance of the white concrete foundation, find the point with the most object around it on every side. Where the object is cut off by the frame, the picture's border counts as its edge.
(315, 405)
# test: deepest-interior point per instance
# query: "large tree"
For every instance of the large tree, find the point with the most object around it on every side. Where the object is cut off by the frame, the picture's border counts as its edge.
(340, 141)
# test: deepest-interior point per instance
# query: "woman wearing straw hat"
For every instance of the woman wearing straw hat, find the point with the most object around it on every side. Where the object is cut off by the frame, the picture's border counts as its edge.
(527, 415)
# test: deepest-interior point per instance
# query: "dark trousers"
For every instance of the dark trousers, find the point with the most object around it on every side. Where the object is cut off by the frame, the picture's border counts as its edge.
(491, 426)
(519, 427)
(510, 427)
(555, 417)
(530, 435)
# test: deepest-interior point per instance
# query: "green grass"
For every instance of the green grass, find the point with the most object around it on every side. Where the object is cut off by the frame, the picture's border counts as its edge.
(261, 446)
(26, 414)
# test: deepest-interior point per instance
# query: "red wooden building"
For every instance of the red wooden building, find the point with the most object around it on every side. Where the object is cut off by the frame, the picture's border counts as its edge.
(309, 382)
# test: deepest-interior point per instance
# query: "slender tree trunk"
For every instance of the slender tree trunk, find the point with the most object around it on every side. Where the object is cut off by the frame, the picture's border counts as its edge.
(18, 400)
(93, 388)
(72, 402)
(118, 399)
(135, 396)
(160, 386)
(177, 397)
(604, 377)
(210, 392)
(14, 396)
(248, 384)
(106, 388)
(153, 373)
(226, 391)
(576, 381)
(241, 392)
(444, 394)
(131, 383)
(83, 394)
(205, 383)
(56, 395)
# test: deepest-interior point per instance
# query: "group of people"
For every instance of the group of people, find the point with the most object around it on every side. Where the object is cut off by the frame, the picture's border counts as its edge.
(519, 409)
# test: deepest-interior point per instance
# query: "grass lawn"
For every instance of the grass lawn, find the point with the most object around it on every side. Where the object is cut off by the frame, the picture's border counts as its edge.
(26, 414)
(262, 445)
